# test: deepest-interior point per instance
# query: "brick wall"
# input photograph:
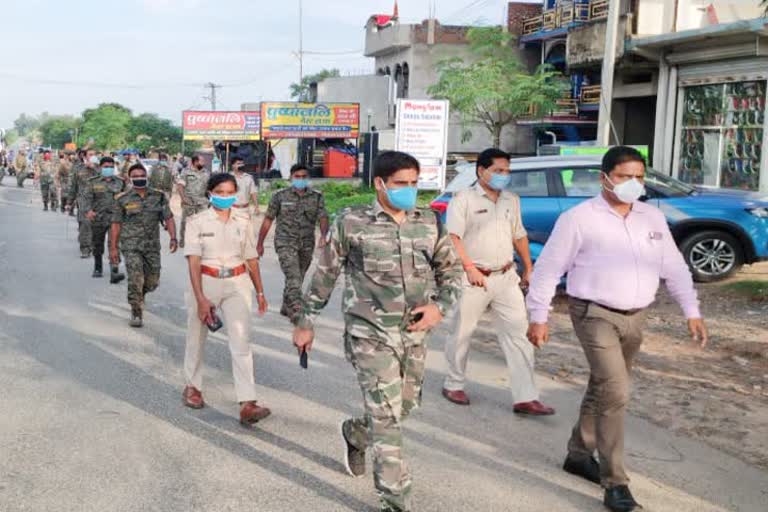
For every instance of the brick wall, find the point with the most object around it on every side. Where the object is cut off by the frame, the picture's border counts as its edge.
(519, 12)
(444, 34)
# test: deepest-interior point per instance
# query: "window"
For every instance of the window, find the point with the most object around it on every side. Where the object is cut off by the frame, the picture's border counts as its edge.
(581, 182)
(529, 183)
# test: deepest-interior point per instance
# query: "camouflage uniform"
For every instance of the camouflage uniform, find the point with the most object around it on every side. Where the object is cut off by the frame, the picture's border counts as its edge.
(162, 179)
(99, 196)
(46, 173)
(3, 165)
(390, 269)
(297, 215)
(62, 181)
(195, 183)
(140, 240)
(81, 174)
(20, 165)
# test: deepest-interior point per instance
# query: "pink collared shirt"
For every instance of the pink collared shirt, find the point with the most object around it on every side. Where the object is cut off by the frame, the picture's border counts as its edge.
(612, 260)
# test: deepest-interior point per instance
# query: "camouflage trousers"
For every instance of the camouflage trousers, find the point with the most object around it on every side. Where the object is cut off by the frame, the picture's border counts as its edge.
(143, 269)
(186, 212)
(20, 177)
(49, 194)
(99, 239)
(2, 174)
(84, 231)
(391, 381)
(294, 259)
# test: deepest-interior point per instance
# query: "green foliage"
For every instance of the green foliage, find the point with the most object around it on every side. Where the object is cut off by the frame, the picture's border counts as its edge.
(11, 136)
(301, 92)
(754, 290)
(108, 124)
(25, 124)
(150, 132)
(56, 131)
(494, 89)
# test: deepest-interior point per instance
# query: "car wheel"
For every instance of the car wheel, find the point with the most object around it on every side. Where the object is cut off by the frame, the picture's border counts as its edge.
(712, 255)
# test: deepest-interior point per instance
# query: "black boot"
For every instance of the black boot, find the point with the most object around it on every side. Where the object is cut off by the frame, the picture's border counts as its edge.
(45, 207)
(115, 276)
(98, 269)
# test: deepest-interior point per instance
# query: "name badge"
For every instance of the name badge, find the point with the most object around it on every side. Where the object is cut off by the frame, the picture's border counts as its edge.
(481, 211)
(655, 235)
(207, 234)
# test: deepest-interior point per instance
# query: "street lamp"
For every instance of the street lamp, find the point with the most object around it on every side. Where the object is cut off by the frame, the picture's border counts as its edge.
(370, 114)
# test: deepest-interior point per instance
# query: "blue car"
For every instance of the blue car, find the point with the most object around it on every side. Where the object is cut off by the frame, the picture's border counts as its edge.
(717, 230)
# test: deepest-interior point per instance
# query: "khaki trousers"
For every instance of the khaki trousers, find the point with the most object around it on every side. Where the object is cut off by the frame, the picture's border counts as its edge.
(610, 341)
(233, 298)
(505, 298)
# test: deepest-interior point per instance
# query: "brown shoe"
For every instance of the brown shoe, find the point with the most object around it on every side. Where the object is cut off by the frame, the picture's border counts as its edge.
(458, 397)
(534, 408)
(251, 413)
(193, 398)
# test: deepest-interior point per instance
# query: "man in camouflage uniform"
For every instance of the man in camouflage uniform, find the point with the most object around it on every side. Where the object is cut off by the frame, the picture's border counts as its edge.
(98, 203)
(82, 172)
(402, 278)
(3, 165)
(20, 165)
(297, 210)
(130, 160)
(62, 179)
(192, 186)
(135, 230)
(45, 172)
(162, 178)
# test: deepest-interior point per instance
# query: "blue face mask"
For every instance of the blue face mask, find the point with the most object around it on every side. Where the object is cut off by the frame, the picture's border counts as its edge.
(300, 183)
(107, 172)
(499, 181)
(402, 198)
(223, 203)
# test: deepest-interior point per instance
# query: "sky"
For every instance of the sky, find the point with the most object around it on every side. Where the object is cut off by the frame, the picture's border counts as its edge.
(62, 57)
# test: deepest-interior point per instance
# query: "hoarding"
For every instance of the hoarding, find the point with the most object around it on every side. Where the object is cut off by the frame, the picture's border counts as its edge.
(288, 120)
(422, 131)
(221, 125)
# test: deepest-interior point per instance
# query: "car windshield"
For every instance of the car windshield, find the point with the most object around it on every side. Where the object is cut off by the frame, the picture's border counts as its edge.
(667, 185)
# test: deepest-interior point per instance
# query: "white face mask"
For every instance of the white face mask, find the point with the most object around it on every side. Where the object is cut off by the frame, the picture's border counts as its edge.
(628, 192)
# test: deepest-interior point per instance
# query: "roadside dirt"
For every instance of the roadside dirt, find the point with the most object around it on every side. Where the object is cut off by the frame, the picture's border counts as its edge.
(718, 395)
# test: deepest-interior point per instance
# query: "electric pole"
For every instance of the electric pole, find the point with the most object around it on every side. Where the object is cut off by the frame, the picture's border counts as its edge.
(212, 98)
(604, 121)
(301, 42)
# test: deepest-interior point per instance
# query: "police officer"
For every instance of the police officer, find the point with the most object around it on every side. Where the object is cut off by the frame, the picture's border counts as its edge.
(82, 172)
(61, 179)
(224, 270)
(402, 277)
(45, 174)
(161, 178)
(191, 186)
(297, 210)
(20, 165)
(98, 203)
(3, 165)
(247, 192)
(136, 231)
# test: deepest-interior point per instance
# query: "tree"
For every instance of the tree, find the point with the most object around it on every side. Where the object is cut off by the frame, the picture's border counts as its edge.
(56, 131)
(494, 89)
(25, 124)
(302, 92)
(108, 124)
(148, 132)
(11, 136)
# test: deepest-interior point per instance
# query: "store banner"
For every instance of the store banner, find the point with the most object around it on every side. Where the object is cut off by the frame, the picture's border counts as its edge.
(422, 131)
(288, 120)
(221, 125)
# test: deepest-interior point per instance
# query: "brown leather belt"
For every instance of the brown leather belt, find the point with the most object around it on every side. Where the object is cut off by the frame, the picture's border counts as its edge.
(503, 270)
(241, 205)
(223, 273)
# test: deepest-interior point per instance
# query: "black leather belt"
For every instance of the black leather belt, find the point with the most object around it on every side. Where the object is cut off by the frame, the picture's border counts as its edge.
(624, 312)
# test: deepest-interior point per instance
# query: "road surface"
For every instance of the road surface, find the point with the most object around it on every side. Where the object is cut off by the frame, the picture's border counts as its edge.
(92, 418)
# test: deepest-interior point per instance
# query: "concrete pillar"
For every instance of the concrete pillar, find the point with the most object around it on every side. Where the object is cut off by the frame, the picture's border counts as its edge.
(662, 90)
(669, 125)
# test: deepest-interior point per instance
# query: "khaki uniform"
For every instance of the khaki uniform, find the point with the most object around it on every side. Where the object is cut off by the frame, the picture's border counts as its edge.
(195, 183)
(140, 219)
(20, 166)
(296, 215)
(246, 187)
(224, 246)
(488, 230)
(390, 269)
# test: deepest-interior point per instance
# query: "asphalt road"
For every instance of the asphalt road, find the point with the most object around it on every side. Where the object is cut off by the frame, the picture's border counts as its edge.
(91, 416)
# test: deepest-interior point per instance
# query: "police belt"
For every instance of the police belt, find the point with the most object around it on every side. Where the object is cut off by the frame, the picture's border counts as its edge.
(241, 205)
(223, 273)
(503, 270)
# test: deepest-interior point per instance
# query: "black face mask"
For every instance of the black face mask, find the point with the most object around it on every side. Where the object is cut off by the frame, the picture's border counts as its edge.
(139, 182)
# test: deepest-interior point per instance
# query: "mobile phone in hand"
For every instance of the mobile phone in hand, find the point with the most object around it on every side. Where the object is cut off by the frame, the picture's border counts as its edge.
(214, 323)
(304, 359)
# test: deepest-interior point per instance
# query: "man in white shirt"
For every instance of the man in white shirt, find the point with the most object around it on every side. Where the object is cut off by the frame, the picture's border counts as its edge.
(247, 192)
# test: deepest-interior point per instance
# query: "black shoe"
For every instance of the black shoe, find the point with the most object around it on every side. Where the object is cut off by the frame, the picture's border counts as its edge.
(97, 267)
(586, 467)
(619, 499)
(354, 458)
(45, 208)
(115, 276)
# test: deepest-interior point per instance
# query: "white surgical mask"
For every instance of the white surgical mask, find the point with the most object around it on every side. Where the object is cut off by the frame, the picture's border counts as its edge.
(628, 192)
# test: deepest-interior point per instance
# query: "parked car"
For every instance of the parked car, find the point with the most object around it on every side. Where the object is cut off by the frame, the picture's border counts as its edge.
(717, 230)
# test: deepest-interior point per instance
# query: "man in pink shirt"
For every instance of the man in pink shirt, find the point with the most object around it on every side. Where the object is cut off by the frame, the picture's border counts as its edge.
(614, 250)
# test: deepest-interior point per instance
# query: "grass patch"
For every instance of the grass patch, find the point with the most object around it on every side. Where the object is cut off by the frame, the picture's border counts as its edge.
(752, 290)
(343, 195)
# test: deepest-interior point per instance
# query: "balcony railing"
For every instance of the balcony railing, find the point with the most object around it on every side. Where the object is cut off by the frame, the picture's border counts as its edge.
(565, 14)
(590, 94)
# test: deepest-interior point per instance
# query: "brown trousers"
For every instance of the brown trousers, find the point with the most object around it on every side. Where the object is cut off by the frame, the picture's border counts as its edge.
(610, 341)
